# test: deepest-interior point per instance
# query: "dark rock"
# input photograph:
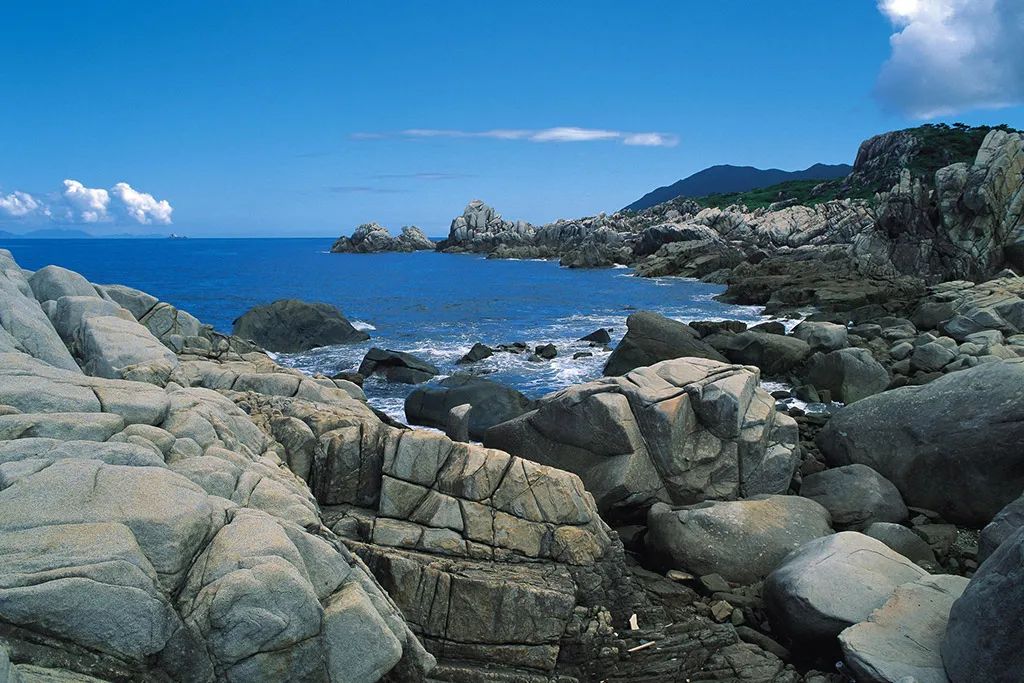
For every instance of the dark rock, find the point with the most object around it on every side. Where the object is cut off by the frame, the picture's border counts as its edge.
(849, 375)
(598, 336)
(774, 354)
(939, 537)
(770, 327)
(1004, 525)
(902, 540)
(546, 351)
(396, 366)
(457, 428)
(985, 630)
(353, 377)
(807, 393)
(477, 353)
(952, 446)
(822, 336)
(290, 326)
(708, 327)
(856, 496)
(651, 338)
(493, 403)
(582, 354)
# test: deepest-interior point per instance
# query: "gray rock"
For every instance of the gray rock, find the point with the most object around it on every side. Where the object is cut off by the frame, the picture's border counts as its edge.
(902, 540)
(984, 633)
(457, 428)
(651, 338)
(902, 639)
(113, 347)
(27, 328)
(931, 357)
(952, 446)
(822, 336)
(1002, 526)
(832, 583)
(137, 302)
(371, 238)
(475, 354)
(290, 325)
(848, 374)
(774, 354)
(743, 541)
(397, 366)
(856, 496)
(53, 282)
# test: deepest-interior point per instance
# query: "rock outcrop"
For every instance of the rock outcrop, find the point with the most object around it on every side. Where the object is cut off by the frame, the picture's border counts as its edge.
(371, 238)
(491, 403)
(290, 326)
(679, 431)
(397, 366)
(651, 338)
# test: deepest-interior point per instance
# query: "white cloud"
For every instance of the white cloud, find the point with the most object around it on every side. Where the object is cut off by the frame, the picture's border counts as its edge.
(950, 56)
(19, 204)
(90, 204)
(557, 134)
(76, 203)
(141, 206)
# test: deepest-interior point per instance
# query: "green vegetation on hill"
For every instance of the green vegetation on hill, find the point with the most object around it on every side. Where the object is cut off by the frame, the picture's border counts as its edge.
(942, 145)
(806, 192)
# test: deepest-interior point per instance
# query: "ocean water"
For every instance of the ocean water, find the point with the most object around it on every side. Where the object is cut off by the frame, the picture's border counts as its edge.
(433, 305)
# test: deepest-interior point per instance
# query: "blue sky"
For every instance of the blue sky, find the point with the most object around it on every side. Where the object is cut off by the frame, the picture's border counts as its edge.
(294, 119)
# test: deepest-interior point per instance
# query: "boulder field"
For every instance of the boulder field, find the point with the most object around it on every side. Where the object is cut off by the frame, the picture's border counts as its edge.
(176, 506)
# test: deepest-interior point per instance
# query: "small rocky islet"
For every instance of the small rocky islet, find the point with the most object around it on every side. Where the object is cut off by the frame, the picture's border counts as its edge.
(177, 506)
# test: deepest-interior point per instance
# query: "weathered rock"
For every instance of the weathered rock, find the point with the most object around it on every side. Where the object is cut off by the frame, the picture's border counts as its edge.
(822, 336)
(599, 336)
(475, 354)
(679, 431)
(902, 639)
(832, 583)
(492, 402)
(774, 354)
(856, 496)
(849, 375)
(397, 366)
(984, 632)
(52, 282)
(952, 446)
(290, 325)
(651, 338)
(371, 238)
(743, 541)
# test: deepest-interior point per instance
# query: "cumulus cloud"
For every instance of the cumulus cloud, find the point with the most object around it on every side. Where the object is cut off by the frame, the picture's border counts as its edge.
(950, 56)
(557, 134)
(18, 204)
(142, 206)
(89, 204)
(76, 203)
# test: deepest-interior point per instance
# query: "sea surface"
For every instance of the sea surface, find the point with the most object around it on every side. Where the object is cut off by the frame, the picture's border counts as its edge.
(433, 305)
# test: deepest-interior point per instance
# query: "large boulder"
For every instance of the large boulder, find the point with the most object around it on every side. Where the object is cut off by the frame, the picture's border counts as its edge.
(492, 403)
(680, 431)
(848, 374)
(1004, 525)
(52, 282)
(832, 583)
(397, 366)
(856, 496)
(985, 631)
(651, 338)
(902, 638)
(822, 336)
(742, 541)
(775, 354)
(290, 325)
(952, 446)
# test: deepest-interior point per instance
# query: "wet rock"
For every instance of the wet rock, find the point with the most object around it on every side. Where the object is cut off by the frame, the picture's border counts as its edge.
(290, 325)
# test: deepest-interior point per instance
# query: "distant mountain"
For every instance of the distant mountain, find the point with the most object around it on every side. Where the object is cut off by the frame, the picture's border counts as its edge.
(725, 178)
(70, 234)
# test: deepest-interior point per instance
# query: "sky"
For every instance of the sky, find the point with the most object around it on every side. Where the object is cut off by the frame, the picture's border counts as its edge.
(310, 118)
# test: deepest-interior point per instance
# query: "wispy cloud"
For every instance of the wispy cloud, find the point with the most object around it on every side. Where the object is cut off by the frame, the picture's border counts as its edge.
(558, 134)
(422, 176)
(362, 189)
(76, 203)
(950, 56)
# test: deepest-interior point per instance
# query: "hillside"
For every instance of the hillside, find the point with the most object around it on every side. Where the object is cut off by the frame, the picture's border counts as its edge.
(726, 179)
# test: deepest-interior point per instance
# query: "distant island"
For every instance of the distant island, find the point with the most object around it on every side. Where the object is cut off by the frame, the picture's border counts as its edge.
(71, 234)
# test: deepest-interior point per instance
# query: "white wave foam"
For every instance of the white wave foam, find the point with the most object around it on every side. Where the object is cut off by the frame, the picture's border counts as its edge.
(362, 325)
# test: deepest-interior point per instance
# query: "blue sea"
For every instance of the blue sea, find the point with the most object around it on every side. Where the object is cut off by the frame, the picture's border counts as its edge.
(433, 305)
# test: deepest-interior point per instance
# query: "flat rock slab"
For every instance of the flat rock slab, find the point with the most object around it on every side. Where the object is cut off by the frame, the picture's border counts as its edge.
(903, 637)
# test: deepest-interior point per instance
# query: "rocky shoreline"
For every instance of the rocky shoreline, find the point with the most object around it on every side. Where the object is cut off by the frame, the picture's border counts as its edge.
(176, 506)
